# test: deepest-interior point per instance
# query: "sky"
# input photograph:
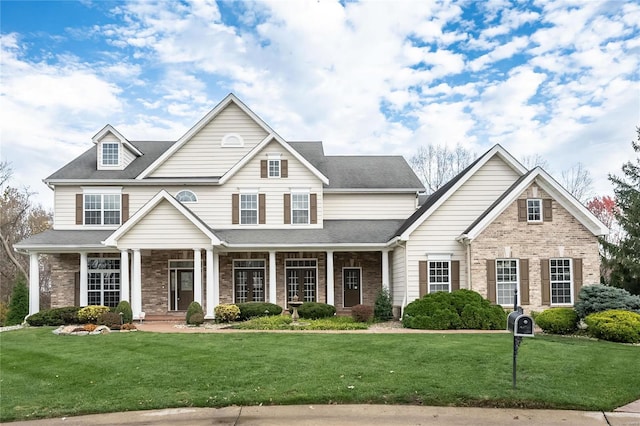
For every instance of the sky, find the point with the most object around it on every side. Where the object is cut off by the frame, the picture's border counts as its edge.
(556, 79)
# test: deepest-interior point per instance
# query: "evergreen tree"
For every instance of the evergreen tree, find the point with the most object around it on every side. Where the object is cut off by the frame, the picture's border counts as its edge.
(624, 262)
(19, 305)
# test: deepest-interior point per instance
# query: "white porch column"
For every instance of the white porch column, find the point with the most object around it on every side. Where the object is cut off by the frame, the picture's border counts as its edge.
(385, 270)
(84, 277)
(34, 284)
(136, 285)
(124, 276)
(330, 284)
(197, 276)
(216, 279)
(209, 307)
(272, 278)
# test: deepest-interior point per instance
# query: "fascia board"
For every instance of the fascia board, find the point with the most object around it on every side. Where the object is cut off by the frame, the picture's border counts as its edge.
(65, 248)
(375, 190)
(133, 182)
(301, 246)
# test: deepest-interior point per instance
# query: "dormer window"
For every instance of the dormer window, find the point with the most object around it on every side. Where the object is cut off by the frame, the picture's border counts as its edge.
(110, 154)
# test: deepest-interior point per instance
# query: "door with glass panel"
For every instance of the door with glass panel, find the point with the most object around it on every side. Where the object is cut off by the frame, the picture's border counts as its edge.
(181, 285)
(352, 286)
(248, 278)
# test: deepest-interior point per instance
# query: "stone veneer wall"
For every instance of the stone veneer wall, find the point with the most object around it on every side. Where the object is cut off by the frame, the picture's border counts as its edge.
(226, 273)
(371, 264)
(564, 237)
(64, 266)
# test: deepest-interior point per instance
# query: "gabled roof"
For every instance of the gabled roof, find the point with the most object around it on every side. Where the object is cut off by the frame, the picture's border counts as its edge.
(551, 187)
(157, 199)
(110, 129)
(436, 199)
(230, 98)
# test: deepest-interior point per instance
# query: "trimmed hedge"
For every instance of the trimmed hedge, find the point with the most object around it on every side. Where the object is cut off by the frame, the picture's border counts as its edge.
(461, 309)
(313, 310)
(599, 298)
(54, 317)
(111, 320)
(558, 321)
(615, 326)
(226, 313)
(258, 309)
(127, 313)
(194, 308)
(91, 313)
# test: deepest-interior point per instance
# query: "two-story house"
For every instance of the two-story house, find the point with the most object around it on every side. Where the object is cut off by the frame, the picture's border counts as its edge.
(232, 213)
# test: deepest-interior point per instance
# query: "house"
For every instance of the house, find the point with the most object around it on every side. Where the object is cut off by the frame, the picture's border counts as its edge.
(231, 212)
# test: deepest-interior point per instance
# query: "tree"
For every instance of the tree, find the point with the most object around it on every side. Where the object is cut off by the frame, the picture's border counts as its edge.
(533, 161)
(577, 180)
(436, 165)
(19, 304)
(624, 258)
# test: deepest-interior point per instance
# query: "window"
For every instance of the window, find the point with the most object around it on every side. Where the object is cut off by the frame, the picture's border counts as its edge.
(274, 168)
(110, 154)
(248, 276)
(102, 209)
(248, 209)
(299, 208)
(560, 274)
(439, 276)
(301, 279)
(534, 210)
(506, 280)
(103, 281)
(186, 197)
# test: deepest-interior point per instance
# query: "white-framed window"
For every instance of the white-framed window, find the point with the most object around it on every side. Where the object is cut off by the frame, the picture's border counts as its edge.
(300, 208)
(507, 280)
(301, 275)
(248, 209)
(248, 281)
(186, 196)
(102, 209)
(232, 140)
(439, 276)
(534, 210)
(273, 165)
(103, 283)
(110, 153)
(561, 281)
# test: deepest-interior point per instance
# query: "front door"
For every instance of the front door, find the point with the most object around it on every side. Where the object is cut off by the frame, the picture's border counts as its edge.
(352, 286)
(181, 294)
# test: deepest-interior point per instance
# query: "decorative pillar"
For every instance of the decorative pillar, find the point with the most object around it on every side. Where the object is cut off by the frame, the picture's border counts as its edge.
(124, 276)
(34, 284)
(136, 285)
(330, 284)
(216, 280)
(197, 276)
(84, 278)
(272, 278)
(209, 307)
(385, 269)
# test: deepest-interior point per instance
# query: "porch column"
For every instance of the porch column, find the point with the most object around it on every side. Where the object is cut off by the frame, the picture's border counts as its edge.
(330, 290)
(385, 269)
(209, 285)
(272, 277)
(84, 277)
(197, 276)
(34, 284)
(124, 275)
(216, 280)
(136, 285)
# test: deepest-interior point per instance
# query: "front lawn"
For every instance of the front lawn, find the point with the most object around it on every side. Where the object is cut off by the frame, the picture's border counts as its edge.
(44, 375)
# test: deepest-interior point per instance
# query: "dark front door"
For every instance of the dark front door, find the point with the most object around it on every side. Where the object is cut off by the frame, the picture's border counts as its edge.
(181, 289)
(352, 286)
(249, 285)
(301, 282)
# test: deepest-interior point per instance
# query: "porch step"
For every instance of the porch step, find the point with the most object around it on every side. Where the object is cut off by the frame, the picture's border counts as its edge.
(178, 316)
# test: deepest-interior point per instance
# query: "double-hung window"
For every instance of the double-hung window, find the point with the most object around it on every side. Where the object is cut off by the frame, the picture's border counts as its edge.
(103, 283)
(273, 165)
(110, 154)
(439, 276)
(300, 208)
(561, 281)
(249, 209)
(534, 210)
(506, 280)
(102, 209)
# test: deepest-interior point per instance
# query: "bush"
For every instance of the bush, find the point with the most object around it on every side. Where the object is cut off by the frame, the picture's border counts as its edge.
(194, 308)
(460, 309)
(91, 313)
(383, 307)
(111, 320)
(362, 313)
(558, 321)
(258, 309)
(615, 326)
(128, 326)
(19, 303)
(599, 298)
(313, 310)
(226, 313)
(197, 319)
(4, 310)
(127, 313)
(53, 317)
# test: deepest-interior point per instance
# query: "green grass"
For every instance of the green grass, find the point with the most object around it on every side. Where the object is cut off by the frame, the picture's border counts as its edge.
(44, 375)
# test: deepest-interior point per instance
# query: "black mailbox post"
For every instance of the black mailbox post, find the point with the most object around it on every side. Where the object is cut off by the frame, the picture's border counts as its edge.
(520, 325)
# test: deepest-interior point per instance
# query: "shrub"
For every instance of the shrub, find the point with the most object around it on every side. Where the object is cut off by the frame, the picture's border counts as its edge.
(258, 309)
(127, 313)
(459, 309)
(558, 321)
(54, 317)
(4, 310)
(19, 303)
(313, 310)
(599, 298)
(110, 319)
(362, 313)
(383, 307)
(128, 326)
(91, 313)
(197, 319)
(89, 327)
(194, 308)
(226, 313)
(615, 326)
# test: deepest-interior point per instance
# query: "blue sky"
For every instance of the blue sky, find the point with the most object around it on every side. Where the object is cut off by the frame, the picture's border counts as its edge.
(555, 79)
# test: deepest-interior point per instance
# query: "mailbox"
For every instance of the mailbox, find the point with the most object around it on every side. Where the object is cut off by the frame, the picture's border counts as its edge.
(521, 325)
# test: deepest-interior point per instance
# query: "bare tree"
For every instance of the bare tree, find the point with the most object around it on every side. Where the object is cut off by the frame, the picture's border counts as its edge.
(533, 161)
(578, 181)
(435, 165)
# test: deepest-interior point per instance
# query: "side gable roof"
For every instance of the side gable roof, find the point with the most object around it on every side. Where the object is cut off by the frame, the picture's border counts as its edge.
(157, 199)
(110, 129)
(548, 184)
(436, 199)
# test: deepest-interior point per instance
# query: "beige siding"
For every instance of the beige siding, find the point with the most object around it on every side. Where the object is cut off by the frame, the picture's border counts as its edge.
(126, 156)
(164, 227)
(64, 206)
(437, 235)
(398, 275)
(368, 206)
(203, 155)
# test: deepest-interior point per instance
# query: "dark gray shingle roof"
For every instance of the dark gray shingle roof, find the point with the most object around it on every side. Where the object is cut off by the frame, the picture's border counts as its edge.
(65, 238)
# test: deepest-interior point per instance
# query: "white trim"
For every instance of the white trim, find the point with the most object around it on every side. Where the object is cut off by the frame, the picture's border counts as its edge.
(185, 191)
(540, 210)
(236, 137)
(441, 259)
(84, 279)
(110, 129)
(101, 190)
(118, 163)
(330, 281)
(571, 272)
(359, 285)
(209, 285)
(34, 283)
(273, 293)
(510, 259)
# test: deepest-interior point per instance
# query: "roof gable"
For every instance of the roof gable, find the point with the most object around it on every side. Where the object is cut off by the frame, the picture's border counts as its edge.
(110, 129)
